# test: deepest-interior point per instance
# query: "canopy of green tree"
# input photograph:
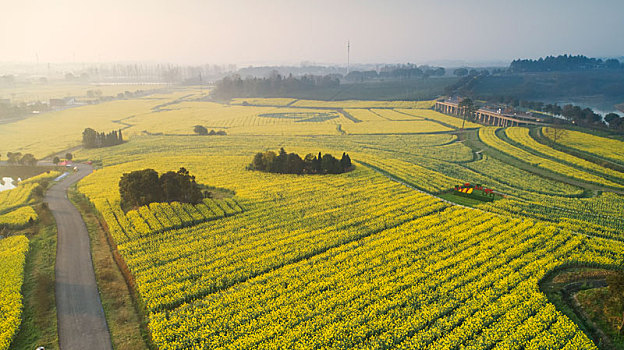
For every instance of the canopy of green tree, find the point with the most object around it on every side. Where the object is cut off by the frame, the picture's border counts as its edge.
(142, 187)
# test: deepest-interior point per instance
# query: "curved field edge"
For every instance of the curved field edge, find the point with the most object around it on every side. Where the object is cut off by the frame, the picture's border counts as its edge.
(562, 285)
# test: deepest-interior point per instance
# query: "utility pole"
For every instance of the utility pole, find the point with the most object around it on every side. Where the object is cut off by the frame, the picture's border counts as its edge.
(348, 55)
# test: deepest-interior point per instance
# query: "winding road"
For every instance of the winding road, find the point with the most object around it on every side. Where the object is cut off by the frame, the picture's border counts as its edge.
(81, 320)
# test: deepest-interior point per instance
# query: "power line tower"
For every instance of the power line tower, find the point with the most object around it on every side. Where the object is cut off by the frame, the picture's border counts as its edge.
(348, 55)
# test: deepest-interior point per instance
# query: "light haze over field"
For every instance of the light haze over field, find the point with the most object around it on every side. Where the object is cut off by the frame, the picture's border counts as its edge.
(290, 32)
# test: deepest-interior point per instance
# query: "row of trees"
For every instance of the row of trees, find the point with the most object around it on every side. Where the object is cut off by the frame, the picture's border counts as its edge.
(404, 71)
(292, 163)
(235, 86)
(94, 139)
(15, 158)
(563, 63)
(142, 187)
(201, 130)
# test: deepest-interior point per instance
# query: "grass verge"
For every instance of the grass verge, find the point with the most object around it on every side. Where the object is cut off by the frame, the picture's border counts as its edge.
(39, 321)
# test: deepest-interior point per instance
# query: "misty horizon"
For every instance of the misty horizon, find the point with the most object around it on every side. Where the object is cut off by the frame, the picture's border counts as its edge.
(286, 33)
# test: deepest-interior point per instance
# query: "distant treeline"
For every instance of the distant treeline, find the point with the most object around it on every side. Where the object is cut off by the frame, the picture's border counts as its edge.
(234, 86)
(94, 139)
(142, 187)
(9, 110)
(563, 63)
(201, 130)
(291, 163)
(403, 71)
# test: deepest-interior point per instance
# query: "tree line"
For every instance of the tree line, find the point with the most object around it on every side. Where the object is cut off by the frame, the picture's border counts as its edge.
(402, 71)
(234, 86)
(292, 163)
(142, 187)
(563, 63)
(94, 139)
(201, 130)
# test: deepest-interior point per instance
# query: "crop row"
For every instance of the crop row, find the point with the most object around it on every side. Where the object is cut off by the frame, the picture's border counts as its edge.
(601, 146)
(19, 218)
(459, 278)
(488, 136)
(159, 217)
(521, 136)
(17, 197)
(13, 256)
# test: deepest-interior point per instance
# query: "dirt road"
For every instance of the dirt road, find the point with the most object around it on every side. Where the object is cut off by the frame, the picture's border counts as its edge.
(81, 321)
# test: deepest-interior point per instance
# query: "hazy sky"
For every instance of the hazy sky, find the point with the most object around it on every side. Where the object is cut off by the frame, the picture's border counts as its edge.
(293, 31)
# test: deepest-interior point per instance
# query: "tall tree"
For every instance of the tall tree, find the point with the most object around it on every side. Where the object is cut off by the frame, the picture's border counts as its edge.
(467, 108)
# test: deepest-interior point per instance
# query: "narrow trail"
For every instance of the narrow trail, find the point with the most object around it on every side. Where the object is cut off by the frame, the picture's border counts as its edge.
(81, 320)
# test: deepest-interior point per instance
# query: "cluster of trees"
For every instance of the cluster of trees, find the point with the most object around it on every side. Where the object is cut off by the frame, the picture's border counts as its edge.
(587, 117)
(201, 130)
(234, 86)
(291, 163)
(563, 63)
(15, 158)
(94, 139)
(463, 71)
(402, 71)
(142, 187)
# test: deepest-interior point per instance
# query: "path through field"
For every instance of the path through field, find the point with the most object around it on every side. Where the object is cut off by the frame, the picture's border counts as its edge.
(81, 320)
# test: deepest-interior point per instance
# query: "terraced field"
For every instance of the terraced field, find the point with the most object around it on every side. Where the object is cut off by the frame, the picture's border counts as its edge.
(370, 258)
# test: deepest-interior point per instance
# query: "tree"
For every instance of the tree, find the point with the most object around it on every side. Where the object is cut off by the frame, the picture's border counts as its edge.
(13, 157)
(200, 130)
(330, 165)
(56, 160)
(258, 162)
(460, 72)
(467, 107)
(140, 187)
(69, 156)
(28, 159)
(294, 164)
(89, 138)
(614, 120)
(555, 132)
(345, 161)
(180, 186)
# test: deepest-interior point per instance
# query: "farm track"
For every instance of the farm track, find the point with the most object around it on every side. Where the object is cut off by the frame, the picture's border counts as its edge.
(81, 320)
